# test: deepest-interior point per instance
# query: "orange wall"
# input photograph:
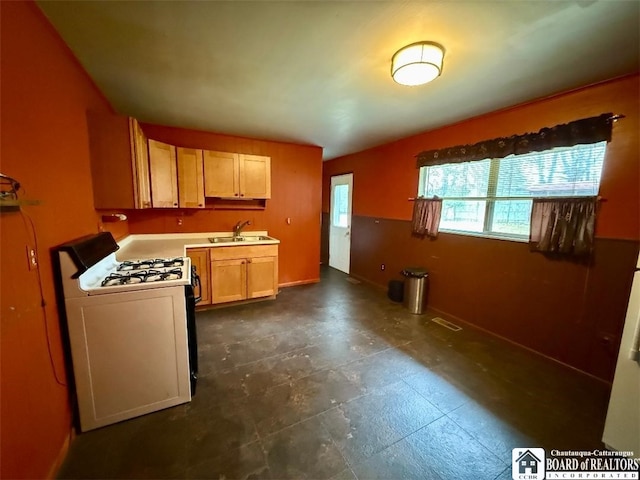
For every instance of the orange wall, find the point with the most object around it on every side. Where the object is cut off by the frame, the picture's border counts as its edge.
(296, 179)
(45, 146)
(390, 170)
(571, 312)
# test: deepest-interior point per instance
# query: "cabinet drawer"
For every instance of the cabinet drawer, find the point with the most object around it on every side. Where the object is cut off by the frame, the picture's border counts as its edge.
(248, 251)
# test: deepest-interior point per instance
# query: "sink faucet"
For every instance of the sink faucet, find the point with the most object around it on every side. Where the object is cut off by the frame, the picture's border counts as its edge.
(237, 230)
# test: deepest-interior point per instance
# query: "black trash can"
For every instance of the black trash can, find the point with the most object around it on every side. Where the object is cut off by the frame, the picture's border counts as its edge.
(396, 290)
(416, 286)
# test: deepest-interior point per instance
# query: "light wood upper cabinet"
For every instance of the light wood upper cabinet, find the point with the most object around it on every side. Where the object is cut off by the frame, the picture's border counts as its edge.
(164, 176)
(221, 173)
(119, 162)
(190, 178)
(255, 176)
(129, 171)
(237, 175)
(140, 156)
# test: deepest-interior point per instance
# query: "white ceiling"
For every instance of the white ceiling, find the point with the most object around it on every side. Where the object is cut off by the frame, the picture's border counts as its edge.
(317, 72)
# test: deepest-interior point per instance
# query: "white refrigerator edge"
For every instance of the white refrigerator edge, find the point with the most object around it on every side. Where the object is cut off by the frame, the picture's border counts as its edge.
(622, 426)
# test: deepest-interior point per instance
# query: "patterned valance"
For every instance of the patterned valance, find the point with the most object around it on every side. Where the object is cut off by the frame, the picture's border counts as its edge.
(586, 130)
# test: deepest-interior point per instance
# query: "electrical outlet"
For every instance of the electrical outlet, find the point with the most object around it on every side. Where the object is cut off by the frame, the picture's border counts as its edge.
(32, 259)
(179, 221)
(382, 266)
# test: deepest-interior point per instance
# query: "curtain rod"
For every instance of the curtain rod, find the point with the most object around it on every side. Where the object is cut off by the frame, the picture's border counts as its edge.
(476, 199)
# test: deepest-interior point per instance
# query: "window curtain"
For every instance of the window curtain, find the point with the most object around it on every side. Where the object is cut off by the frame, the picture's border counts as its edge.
(584, 131)
(563, 226)
(426, 216)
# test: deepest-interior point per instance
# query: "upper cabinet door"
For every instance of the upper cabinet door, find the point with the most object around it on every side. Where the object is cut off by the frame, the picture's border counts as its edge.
(255, 176)
(119, 162)
(221, 170)
(140, 164)
(164, 177)
(190, 178)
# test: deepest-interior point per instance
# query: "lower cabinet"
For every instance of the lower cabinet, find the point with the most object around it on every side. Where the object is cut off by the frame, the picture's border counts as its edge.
(262, 280)
(241, 273)
(229, 280)
(201, 260)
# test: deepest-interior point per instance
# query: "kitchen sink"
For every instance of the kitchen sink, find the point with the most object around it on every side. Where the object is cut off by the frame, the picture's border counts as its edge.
(257, 238)
(225, 239)
(250, 238)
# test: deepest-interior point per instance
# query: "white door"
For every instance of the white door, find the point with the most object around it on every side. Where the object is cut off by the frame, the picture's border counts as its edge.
(340, 222)
(622, 427)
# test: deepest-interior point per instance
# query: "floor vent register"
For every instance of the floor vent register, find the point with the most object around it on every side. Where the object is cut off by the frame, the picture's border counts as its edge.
(446, 324)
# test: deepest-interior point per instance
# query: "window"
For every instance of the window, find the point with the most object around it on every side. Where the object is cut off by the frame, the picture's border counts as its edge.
(492, 197)
(341, 206)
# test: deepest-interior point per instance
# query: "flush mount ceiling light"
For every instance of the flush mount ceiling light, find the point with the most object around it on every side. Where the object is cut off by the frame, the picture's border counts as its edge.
(417, 63)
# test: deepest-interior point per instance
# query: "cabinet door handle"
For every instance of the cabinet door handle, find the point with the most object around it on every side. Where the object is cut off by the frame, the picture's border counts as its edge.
(249, 261)
(242, 194)
(175, 204)
(236, 194)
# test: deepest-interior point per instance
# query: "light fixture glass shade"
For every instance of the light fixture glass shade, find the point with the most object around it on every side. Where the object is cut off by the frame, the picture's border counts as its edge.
(417, 63)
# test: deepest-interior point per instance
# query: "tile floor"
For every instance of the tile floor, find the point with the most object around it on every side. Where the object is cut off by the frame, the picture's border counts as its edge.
(335, 381)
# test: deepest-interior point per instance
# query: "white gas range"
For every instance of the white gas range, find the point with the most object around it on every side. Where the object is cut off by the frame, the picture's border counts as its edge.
(131, 329)
(111, 276)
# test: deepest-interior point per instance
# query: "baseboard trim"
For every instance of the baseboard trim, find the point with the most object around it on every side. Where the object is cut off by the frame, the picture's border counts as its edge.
(489, 332)
(62, 454)
(299, 282)
(377, 286)
(519, 345)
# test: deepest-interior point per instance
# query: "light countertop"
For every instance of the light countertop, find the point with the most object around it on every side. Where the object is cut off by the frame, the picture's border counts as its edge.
(168, 245)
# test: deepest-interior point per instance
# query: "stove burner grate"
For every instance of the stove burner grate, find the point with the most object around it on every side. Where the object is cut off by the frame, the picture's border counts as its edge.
(130, 265)
(142, 276)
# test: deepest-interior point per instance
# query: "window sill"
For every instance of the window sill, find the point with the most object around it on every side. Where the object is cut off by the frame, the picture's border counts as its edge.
(486, 235)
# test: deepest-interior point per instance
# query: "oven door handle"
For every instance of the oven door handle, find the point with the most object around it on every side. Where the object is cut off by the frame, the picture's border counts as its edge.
(195, 281)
